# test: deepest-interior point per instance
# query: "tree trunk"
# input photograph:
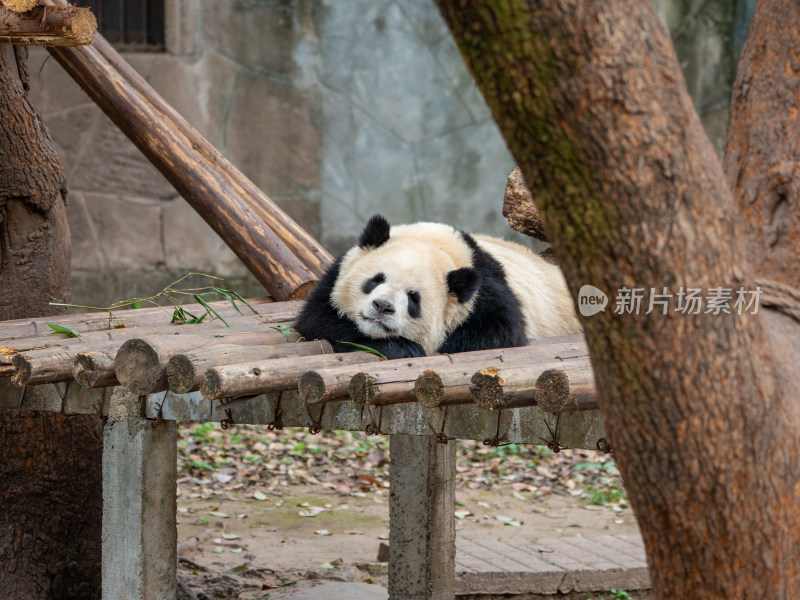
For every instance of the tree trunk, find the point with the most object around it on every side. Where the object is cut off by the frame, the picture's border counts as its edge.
(51, 496)
(700, 408)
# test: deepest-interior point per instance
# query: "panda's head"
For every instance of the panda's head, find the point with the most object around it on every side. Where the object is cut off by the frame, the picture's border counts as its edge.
(414, 281)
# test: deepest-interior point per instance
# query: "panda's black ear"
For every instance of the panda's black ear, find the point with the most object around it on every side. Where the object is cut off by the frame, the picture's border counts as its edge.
(463, 282)
(375, 233)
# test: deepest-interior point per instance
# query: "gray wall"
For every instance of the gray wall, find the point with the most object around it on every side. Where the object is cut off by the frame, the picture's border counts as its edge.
(337, 109)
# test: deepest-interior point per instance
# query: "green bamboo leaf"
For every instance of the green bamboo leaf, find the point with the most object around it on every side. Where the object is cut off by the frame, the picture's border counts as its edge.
(285, 331)
(364, 348)
(207, 306)
(226, 294)
(238, 297)
(58, 329)
(183, 316)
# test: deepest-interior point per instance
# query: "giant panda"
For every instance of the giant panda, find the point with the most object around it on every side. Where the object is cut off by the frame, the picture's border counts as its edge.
(418, 289)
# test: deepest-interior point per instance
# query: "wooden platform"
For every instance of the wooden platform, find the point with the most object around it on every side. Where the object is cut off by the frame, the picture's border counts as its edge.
(550, 565)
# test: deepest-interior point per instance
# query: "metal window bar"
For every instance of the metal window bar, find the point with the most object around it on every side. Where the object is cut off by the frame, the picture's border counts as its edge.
(134, 24)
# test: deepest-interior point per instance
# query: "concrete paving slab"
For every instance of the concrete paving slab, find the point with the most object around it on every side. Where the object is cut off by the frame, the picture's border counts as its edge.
(335, 591)
(633, 555)
(549, 566)
(523, 570)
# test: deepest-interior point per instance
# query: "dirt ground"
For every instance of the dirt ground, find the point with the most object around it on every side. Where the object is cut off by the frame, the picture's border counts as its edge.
(261, 509)
(300, 533)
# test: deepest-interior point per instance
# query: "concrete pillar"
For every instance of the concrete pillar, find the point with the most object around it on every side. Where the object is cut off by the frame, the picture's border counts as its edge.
(422, 537)
(139, 503)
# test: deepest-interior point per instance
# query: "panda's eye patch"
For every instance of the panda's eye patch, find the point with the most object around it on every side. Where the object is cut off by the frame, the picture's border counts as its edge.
(414, 304)
(373, 282)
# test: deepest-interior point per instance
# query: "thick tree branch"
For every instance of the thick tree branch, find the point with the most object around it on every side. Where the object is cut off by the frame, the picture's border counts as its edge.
(762, 155)
(520, 209)
(762, 162)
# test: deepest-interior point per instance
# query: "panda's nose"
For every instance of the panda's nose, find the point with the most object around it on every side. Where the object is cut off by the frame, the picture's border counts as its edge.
(384, 307)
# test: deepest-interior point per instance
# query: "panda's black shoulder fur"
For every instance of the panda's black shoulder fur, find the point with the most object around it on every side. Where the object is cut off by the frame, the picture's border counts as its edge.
(319, 319)
(496, 319)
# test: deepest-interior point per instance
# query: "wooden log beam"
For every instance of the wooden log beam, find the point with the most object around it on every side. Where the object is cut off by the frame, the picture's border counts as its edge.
(365, 389)
(47, 26)
(281, 374)
(437, 388)
(54, 363)
(186, 371)
(95, 369)
(51, 342)
(281, 255)
(141, 364)
(556, 387)
(395, 379)
(19, 6)
(17, 329)
(51, 365)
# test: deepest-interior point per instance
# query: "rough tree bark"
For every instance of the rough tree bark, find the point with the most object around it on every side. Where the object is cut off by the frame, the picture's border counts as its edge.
(701, 408)
(51, 492)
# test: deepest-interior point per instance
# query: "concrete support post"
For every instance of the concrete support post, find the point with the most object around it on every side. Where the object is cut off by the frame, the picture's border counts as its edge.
(139, 503)
(422, 537)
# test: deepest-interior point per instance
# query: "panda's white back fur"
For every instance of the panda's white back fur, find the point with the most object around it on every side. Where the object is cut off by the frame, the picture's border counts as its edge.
(540, 286)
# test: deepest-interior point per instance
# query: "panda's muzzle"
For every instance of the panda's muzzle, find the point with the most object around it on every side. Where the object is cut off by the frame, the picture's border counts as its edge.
(383, 307)
(380, 311)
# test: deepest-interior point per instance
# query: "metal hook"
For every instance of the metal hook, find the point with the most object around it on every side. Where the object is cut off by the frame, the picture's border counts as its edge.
(228, 420)
(497, 441)
(316, 425)
(371, 429)
(553, 443)
(63, 396)
(160, 414)
(277, 421)
(441, 437)
(603, 446)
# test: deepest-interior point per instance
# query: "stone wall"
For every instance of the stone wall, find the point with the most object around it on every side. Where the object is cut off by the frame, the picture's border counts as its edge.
(337, 109)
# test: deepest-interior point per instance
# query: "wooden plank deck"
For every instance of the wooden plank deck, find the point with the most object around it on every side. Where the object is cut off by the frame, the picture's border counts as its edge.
(550, 565)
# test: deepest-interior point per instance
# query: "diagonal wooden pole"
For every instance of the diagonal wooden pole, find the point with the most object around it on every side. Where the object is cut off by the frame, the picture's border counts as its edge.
(282, 256)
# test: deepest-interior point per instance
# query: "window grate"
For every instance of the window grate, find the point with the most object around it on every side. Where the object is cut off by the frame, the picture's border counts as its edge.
(137, 24)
